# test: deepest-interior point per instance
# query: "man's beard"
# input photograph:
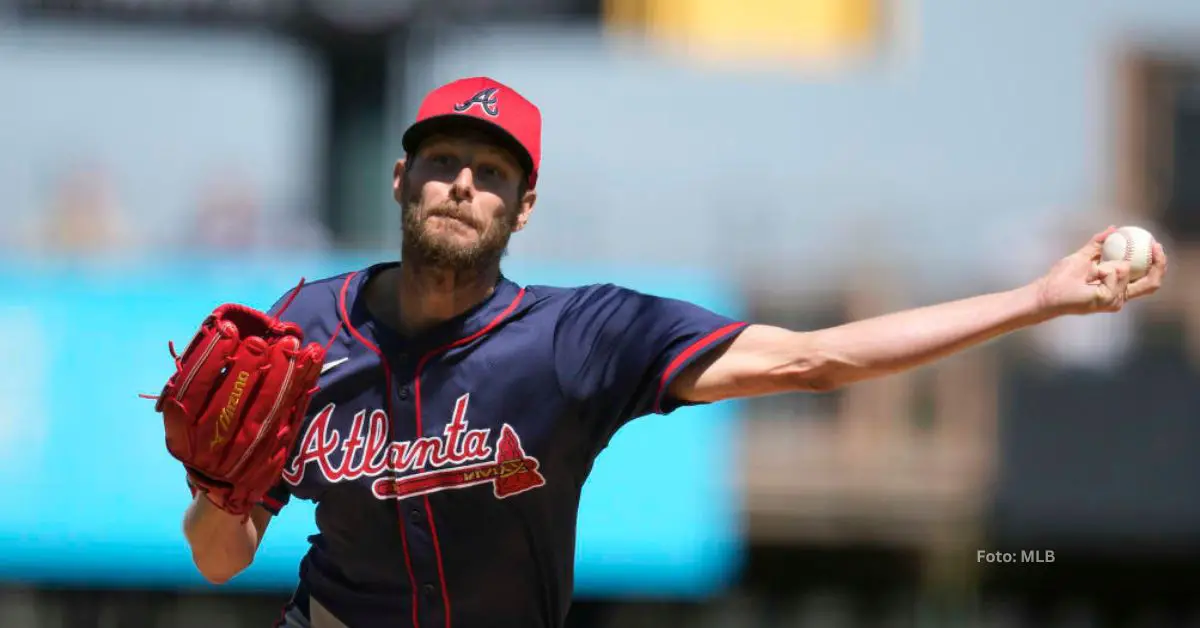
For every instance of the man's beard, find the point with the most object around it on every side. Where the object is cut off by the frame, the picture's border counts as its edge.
(428, 250)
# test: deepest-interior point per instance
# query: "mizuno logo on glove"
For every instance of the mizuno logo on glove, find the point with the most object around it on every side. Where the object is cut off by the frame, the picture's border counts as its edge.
(230, 410)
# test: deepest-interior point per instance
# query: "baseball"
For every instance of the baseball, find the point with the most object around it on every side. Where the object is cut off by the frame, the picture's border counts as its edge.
(1130, 244)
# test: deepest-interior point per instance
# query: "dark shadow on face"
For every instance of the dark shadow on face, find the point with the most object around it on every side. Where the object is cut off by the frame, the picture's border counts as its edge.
(423, 247)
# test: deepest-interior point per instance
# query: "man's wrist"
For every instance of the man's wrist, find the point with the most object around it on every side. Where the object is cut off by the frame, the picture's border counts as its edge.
(206, 504)
(1033, 305)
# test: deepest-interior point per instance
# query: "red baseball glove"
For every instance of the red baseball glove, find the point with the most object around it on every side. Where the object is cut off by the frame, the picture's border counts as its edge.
(233, 408)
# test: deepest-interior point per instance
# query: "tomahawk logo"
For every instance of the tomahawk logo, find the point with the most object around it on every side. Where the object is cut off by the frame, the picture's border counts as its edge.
(510, 473)
(419, 467)
(485, 99)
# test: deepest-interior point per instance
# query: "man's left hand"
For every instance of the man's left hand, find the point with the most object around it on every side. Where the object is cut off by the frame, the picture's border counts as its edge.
(1081, 284)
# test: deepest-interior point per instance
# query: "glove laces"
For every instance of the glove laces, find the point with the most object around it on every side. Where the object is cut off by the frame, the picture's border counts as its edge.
(275, 319)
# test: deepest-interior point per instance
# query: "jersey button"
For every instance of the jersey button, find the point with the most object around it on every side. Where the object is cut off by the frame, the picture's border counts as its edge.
(428, 590)
(414, 515)
(404, 394)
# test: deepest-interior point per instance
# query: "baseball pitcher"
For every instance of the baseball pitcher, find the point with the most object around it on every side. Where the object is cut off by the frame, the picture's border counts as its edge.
(444, 418)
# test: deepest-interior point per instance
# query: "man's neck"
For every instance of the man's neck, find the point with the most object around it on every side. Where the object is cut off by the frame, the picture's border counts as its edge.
(429, 295)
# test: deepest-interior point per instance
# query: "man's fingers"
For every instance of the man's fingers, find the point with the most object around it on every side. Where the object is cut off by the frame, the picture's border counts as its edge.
(1152, 281)
(1095, 246)
(1110, 272)
(1099, 238)
(1158, 260)
(1111, 295)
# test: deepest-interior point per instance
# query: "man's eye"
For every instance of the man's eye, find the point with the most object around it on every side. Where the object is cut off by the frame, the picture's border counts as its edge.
(441, 160)
(490, 172)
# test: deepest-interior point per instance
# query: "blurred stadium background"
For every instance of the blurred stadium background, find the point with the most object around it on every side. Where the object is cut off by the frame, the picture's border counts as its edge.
(799, 162)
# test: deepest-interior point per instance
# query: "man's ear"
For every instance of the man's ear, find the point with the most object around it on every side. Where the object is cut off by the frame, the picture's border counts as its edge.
(527, 203)
(398, 181)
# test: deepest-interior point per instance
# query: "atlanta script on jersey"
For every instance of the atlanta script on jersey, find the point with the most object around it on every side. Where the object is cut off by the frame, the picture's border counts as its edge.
(447, 469)
(419, 467)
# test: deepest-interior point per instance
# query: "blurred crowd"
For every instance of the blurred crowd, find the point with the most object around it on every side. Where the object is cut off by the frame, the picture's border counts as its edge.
(83, 213)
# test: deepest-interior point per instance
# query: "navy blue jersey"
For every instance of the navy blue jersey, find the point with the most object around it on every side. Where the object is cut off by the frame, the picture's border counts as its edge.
(447, 469)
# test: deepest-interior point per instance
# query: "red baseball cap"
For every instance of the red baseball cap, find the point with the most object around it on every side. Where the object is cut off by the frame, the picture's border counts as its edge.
(486, 104)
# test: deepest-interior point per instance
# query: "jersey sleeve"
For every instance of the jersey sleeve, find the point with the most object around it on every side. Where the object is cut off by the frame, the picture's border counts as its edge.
(277, 306)
(279, 495)
(617, 350)
(273, 501)
(276, 498)
(312, 308)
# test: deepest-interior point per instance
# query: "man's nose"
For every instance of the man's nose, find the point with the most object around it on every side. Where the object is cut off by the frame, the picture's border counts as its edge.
(464, 185)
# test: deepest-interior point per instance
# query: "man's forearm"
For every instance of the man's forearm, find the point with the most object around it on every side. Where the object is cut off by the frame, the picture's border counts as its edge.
(222, 544)
(766, 360)
(895, 342)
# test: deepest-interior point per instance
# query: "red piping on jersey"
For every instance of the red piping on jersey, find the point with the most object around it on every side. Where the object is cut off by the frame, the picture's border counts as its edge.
(275, 504)
(387, 372)
(685, 355)
(437, 549)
